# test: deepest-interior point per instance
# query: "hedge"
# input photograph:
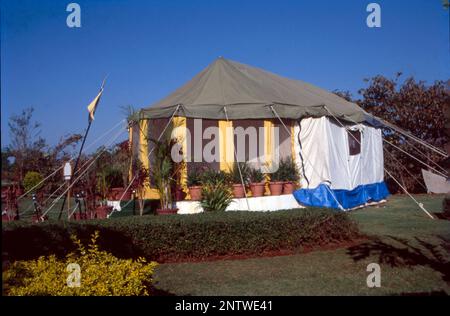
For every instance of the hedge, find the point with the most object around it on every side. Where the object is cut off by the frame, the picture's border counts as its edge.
(183, 237)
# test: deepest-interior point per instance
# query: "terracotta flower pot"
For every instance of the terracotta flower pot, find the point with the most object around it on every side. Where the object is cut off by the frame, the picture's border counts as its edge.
(288, 187)
(196, 193)
(238, 191)
(257, 189)
(166, 211)
(276, 187)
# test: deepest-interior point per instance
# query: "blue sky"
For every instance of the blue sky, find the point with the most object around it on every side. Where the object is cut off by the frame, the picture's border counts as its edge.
(149, 48)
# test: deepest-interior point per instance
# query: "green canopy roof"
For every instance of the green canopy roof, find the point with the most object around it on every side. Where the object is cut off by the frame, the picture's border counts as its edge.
(247, 92)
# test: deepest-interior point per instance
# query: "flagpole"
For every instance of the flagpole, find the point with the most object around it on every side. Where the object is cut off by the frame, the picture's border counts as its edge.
(81, 150)
(75, 167)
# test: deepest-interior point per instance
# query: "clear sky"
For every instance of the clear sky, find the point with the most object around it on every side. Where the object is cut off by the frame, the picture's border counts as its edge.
(149, 48)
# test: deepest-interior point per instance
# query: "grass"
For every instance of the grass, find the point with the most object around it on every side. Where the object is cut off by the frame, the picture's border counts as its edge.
(413, 252)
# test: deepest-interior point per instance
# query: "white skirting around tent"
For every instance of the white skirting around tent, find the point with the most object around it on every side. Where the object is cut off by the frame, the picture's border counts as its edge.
(257, 204)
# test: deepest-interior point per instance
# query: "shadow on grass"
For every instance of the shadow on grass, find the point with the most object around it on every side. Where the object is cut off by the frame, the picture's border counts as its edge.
(432, 293)
(400, 252)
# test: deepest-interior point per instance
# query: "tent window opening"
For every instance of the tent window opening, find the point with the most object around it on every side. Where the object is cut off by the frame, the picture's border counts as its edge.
(354, 142)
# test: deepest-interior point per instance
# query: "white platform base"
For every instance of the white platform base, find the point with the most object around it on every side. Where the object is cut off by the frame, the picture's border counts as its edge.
(257, 204)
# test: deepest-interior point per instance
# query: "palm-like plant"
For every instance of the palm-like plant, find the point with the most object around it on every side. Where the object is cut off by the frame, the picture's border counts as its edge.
(164, 171)
(216, 196)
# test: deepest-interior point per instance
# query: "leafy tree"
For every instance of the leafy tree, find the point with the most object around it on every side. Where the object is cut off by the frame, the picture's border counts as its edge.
(415, 107)
(26, 145)
(31, 152)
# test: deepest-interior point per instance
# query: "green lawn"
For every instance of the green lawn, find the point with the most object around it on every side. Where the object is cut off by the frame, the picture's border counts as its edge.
(412, 250)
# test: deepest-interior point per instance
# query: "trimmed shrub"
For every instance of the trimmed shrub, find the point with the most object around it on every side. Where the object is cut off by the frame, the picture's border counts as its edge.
(100, 274)
(31, 179)
(184, 237)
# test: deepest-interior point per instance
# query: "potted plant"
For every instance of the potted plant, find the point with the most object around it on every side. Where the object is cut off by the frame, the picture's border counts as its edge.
(256, 182)
(289, 175)
(194, 184)
(276, 182)
(216, 193)
(164, 175)
(239, 176)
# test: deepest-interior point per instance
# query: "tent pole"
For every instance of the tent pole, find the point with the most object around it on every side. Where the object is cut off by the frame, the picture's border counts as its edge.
(238, 165)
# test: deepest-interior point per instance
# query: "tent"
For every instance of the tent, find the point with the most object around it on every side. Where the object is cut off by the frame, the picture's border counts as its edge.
(336, 145)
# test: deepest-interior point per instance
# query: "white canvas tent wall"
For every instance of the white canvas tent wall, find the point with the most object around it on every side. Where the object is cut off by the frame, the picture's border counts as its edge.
(353, 179)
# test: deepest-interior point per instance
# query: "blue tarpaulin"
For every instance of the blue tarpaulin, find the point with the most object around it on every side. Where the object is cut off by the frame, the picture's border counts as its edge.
(321, 196)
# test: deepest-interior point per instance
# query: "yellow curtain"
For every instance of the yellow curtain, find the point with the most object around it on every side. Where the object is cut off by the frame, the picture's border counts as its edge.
(130, 148)
(268, 143)
(143, 143)
(149, 193)
(226, 145)
(179, 133)
(294, 156)
(268, 150)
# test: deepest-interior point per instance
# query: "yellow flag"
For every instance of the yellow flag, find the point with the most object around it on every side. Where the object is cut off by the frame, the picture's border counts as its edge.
(93, 105)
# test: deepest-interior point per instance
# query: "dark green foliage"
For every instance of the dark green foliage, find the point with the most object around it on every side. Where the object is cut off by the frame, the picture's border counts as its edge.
(216, 196)
(256, 175)
(288, 170)
(277, 175)
(214, 176)
(194, 177)
(114, 177)
(183, 237)
(245, 172)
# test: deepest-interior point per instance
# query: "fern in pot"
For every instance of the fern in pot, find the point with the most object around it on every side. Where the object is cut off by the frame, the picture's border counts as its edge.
(194, 184)
(289, 174)
(276, 181)
(239, 176)
(257, 182)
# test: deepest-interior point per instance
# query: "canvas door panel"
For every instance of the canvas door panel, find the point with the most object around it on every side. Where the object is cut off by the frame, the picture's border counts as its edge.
(339, 159)
(372, 153)
(314, 135)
